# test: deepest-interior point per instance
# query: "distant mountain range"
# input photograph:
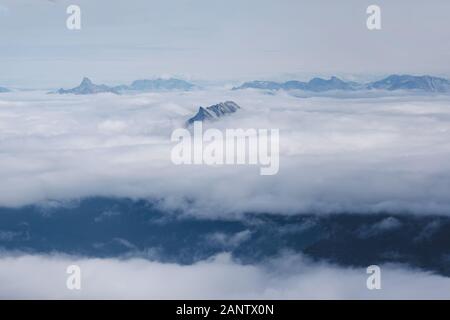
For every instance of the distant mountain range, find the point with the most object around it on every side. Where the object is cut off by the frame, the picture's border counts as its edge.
(158, 85)
(393, 82)
(215, 111)
(4, 90)
(407, 82)
(88, 87)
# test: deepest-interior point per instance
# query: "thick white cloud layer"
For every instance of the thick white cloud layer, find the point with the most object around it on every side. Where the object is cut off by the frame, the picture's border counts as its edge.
(288, 277)
(348, 154)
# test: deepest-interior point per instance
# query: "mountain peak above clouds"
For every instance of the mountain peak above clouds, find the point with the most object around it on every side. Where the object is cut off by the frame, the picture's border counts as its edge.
(86, 82)
(88, 87)
(214, 112)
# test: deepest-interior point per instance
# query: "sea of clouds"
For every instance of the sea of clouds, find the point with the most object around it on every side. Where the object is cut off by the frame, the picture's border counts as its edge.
(351, 154)
(289, 276)
(347, 154)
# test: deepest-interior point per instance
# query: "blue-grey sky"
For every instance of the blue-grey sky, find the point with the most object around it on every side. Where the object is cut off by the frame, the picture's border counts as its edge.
(218, 40)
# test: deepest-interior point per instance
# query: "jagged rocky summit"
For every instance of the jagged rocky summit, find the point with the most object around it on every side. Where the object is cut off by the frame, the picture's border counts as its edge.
(214, 112)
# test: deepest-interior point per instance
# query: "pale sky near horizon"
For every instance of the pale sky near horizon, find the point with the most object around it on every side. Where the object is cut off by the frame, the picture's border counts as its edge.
(218, 40)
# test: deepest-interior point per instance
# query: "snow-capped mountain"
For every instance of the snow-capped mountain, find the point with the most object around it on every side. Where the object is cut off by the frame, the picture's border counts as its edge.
(87, 87)
(215, 111)
(393, 82)
(408, 82)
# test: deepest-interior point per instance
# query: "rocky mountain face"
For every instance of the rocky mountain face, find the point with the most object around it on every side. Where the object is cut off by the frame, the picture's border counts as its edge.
(214, 112)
